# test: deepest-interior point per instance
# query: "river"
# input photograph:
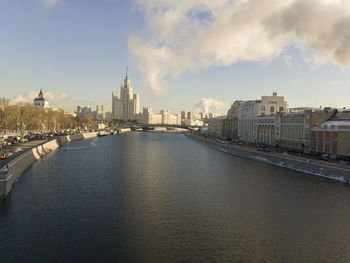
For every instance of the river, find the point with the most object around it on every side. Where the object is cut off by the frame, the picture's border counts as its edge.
(158, 197)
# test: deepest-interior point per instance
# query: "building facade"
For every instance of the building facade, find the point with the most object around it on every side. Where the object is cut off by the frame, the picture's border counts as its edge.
(216, 126)
(84, 111)
(332, 136)
(126, 106)
(231, 122)
(293, 128)
(250, 110)
(266, 134)
(100, 112)
(163, 117)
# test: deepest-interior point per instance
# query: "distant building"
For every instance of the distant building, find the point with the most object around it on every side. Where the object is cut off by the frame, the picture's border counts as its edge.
(109, 116)
(332, 136)
(293, 129)
(84, 111)
(216, 126)
(290, 130)
(266, 130)
(100, 112)
(163, 117)
(231, 122)
(190, 115)
(126, 106)
(250, 110)
(40, 101)
(190, 118)
(187, 122)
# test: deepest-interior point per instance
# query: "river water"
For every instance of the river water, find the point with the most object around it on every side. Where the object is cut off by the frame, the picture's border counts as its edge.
(158, 197)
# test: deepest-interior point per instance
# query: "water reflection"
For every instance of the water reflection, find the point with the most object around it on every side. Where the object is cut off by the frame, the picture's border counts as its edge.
(146, 197)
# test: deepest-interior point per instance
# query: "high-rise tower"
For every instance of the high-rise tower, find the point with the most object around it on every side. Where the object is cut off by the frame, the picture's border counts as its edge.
(127, 105)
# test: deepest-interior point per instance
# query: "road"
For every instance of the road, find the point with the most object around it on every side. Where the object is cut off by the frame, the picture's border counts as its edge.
(16, 149)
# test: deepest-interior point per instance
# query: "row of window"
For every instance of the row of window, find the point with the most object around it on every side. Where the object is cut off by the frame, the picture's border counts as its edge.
(272, 109)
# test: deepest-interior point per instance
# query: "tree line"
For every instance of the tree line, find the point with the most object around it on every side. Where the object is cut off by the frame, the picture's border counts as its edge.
(26, 118)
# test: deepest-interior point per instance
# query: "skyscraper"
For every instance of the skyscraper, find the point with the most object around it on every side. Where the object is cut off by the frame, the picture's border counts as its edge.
(127, 106)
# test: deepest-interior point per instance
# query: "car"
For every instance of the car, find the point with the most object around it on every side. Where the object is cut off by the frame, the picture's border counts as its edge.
(323, 157)
(240, 144)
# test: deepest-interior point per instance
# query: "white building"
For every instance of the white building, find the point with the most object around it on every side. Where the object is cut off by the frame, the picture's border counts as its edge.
(187, 122)
(266, 130)
(100, 112)
(40, 101)
(163, 117)
(250, 110)
(127, 106)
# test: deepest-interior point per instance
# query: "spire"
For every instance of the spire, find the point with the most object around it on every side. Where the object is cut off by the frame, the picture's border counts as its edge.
(41, 93)
(126, 72)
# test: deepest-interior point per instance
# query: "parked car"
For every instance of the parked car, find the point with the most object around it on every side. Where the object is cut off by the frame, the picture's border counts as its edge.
(323, 157)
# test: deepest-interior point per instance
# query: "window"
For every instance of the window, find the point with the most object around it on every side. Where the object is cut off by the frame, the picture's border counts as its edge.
(272, 109)
(281, 109)
(262, 108)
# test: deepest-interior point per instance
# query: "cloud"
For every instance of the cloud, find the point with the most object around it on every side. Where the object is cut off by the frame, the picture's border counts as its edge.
(208, 105)
(29, 96)
(340, 82)
(191, 35)
(50, 3)
(55, 97)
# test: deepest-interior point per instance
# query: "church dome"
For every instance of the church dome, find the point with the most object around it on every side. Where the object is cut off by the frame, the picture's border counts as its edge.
(40, 101)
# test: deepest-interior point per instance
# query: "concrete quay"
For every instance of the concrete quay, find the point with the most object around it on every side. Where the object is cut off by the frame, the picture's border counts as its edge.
(11, 172)
(329, 171)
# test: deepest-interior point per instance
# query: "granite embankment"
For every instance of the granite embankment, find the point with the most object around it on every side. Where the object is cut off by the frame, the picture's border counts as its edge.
(11, 172)
(294, 163)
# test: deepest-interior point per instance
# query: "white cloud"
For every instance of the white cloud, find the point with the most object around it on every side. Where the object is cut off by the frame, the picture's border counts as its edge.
(184, 35)
(55, 96)
(29, 96)
(208, 105)
(340, 82)
(49, 3)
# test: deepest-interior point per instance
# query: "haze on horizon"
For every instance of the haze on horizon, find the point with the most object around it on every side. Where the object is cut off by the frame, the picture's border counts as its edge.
(182, 55)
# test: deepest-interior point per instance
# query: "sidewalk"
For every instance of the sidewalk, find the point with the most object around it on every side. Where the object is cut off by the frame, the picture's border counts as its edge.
(280, 152)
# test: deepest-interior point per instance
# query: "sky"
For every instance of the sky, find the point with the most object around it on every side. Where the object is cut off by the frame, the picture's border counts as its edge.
(181, 54)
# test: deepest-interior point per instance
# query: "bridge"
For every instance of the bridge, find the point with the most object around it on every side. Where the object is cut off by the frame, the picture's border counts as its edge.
(152, 126)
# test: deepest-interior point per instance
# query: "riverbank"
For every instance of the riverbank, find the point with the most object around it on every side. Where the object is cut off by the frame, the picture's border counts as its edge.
(11, 172)
(303, 165)
(17, 149)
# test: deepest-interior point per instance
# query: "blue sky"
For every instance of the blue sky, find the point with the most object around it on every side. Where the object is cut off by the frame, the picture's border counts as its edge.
(81, 48)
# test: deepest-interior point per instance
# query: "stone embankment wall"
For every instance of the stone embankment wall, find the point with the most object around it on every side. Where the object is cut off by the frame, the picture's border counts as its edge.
(294, 163)
(11, 173)
(122, 130)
